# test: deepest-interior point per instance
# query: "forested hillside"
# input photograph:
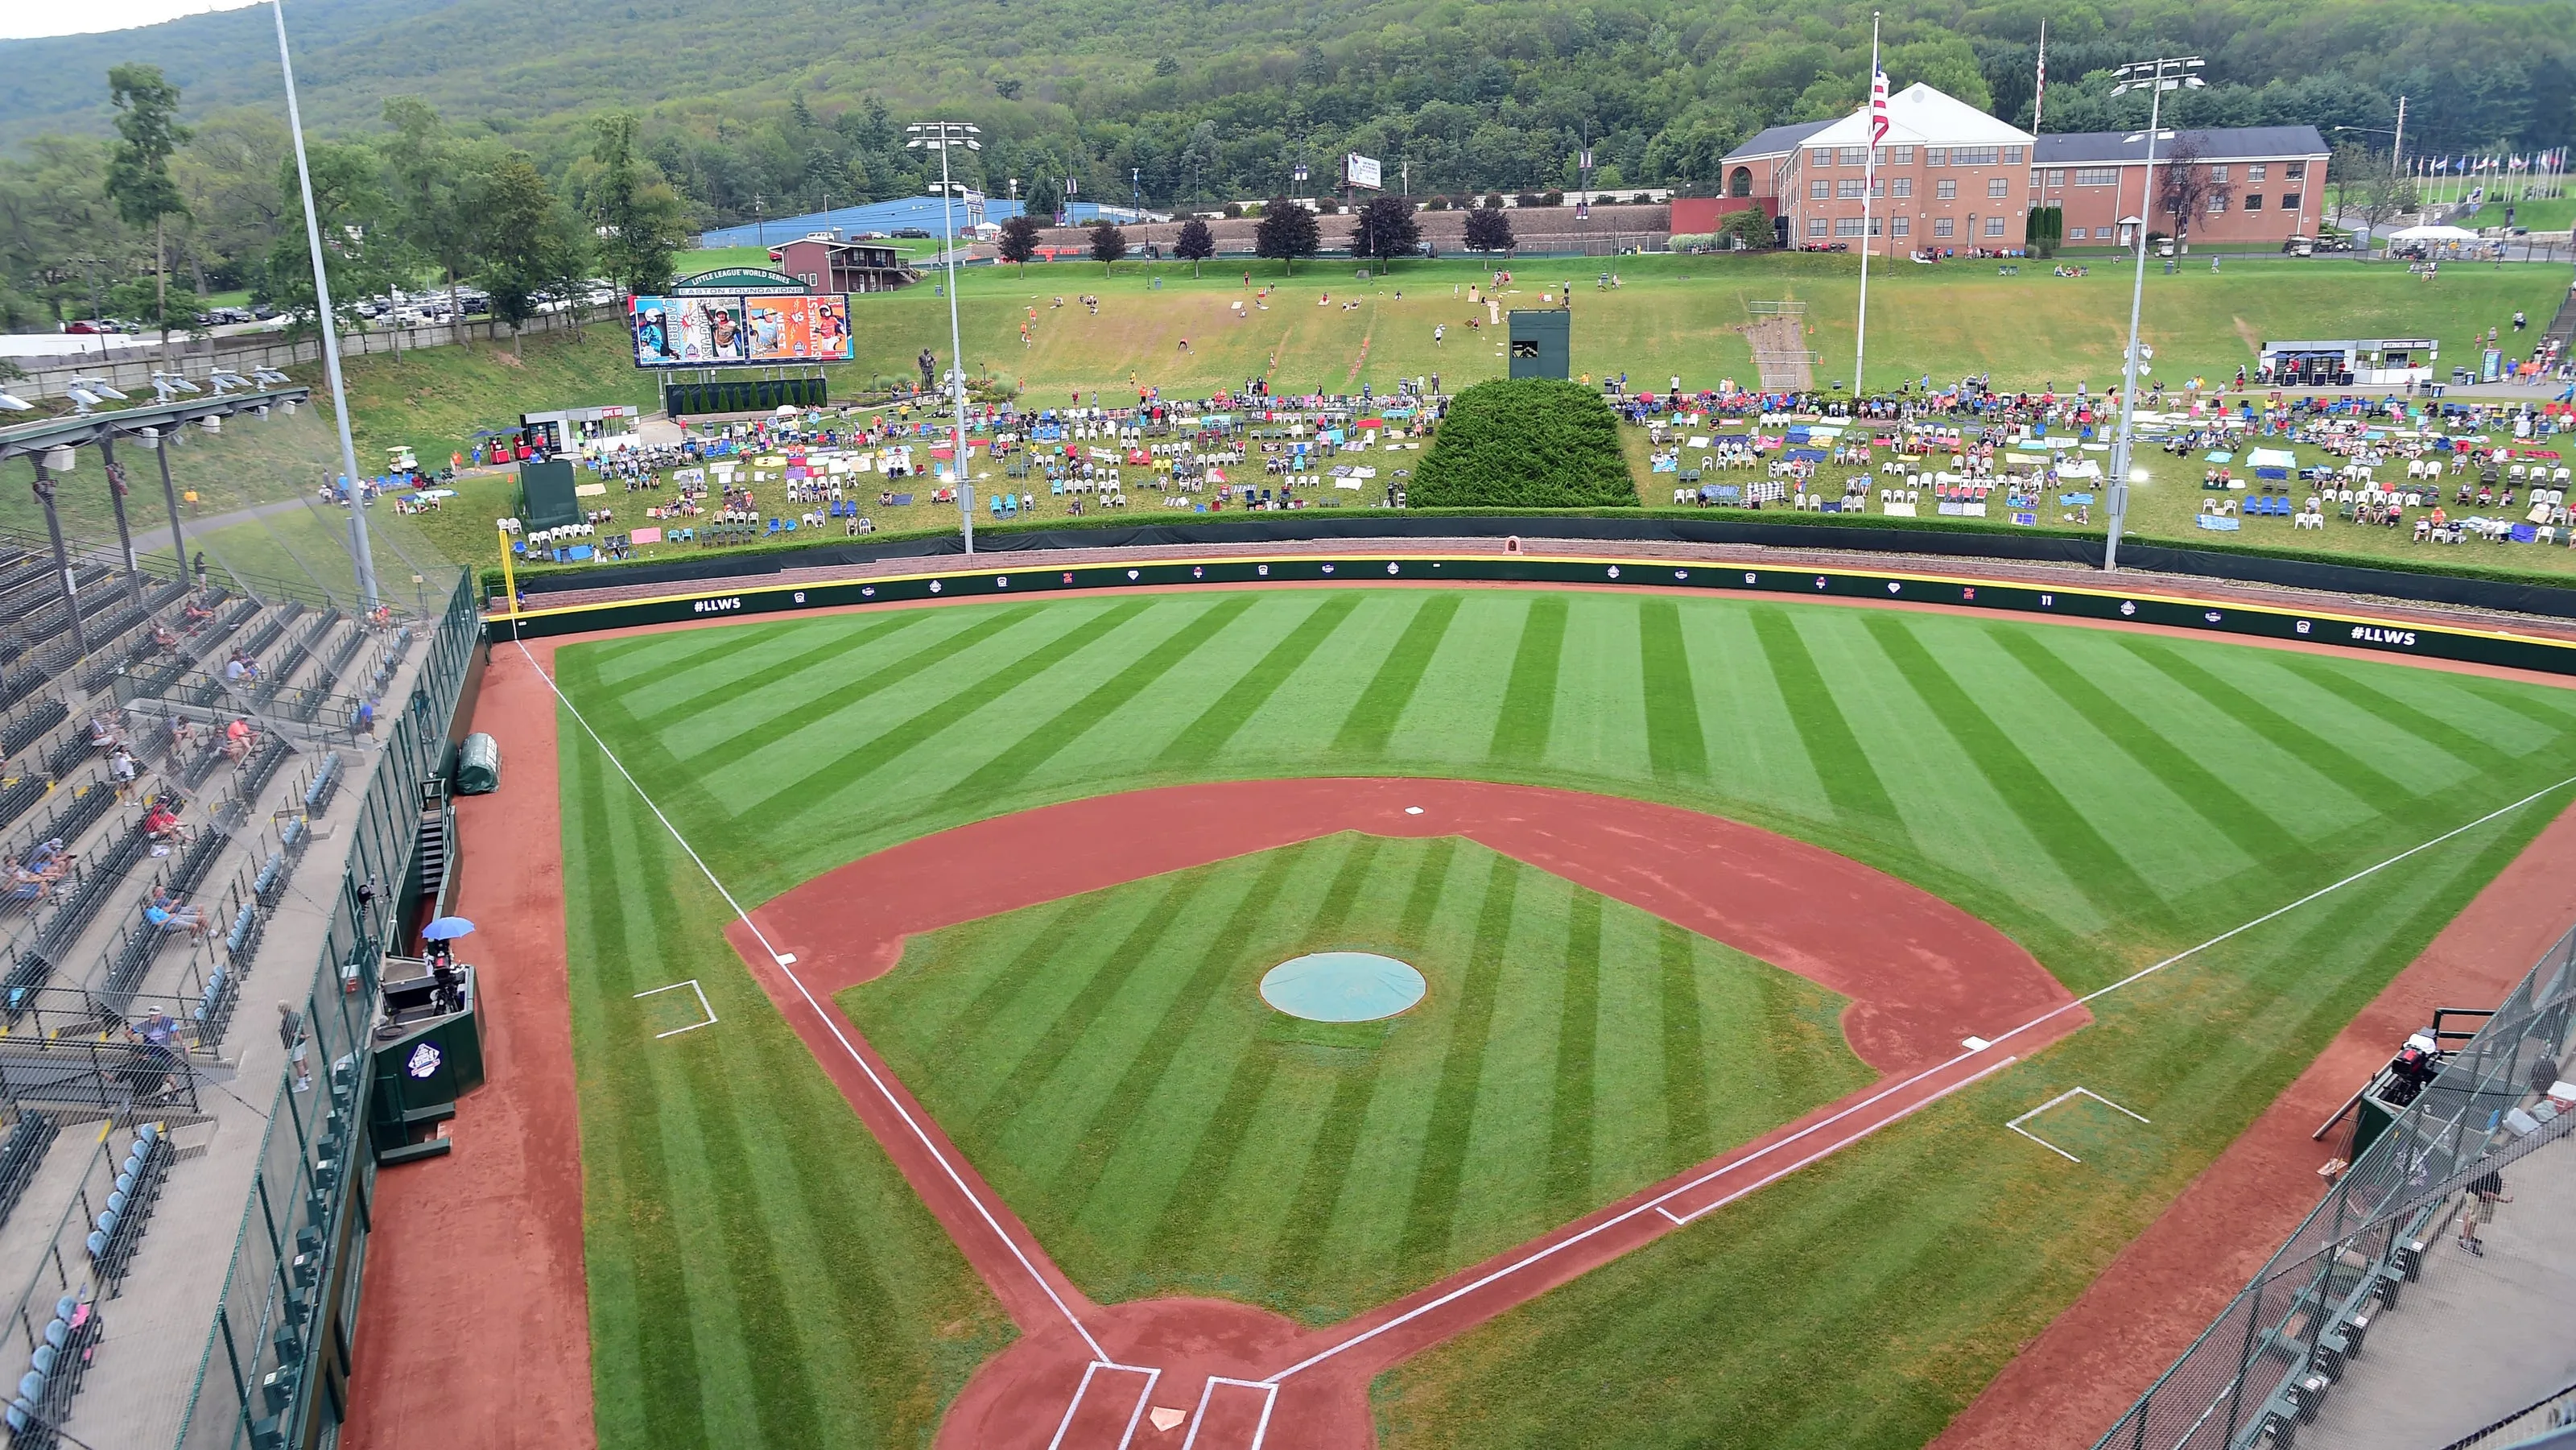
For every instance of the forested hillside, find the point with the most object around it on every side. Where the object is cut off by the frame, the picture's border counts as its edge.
(786, 105)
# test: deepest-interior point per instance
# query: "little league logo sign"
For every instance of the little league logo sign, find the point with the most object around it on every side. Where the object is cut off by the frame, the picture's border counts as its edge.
(424, 1061)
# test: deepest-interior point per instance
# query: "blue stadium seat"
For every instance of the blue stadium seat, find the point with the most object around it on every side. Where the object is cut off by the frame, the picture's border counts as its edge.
(22, 1413)
(58, 1334)
(43, 1362)
(31, 1386)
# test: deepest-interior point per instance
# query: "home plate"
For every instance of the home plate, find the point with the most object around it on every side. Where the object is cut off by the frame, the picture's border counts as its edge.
(1165, 1417)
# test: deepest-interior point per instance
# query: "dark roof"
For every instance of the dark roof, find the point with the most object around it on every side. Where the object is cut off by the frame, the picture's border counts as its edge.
(2247, 143)
(1776, 140)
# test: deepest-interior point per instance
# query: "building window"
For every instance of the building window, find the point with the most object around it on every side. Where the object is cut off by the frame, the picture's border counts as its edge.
(1994, 226)
(1998, 187)
(2253, 201)
(1941, 227)
(1936, 155)
(1824, 156)
(1820, 190)
(2012, 156)
(1847, 226)
(2217, 202)
(1817, 226)
(2075, 234)
(1848, 189)
(2289, 201)
(1900, 226)
(2056, 176)
(2097, 176)
(1946, 189)
(2253, 173)
(1741, 183)
(2296, 171)
(2218, 175)
(1900, 155)
(1904, 186)
(1855, 156)
(1976, 155)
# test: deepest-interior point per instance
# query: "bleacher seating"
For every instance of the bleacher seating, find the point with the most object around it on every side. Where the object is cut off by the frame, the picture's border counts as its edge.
(54, 1371)
(21, 1155)
(118, 1230)
(30, 725)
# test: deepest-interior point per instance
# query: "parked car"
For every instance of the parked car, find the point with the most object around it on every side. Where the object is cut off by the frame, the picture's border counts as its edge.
(918, 234)
(87, 327)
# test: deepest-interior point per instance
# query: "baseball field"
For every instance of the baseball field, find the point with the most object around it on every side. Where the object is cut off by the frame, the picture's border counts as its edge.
(1745, 930)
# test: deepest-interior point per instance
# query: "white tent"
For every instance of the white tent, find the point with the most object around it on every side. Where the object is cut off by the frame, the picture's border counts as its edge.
(2433, 234)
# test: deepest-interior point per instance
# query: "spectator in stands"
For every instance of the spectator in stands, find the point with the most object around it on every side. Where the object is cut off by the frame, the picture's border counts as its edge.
(238, 740)
(50, 860)
(163, 636)
(25, 884)
(290, 1031)
(171, 914)
(121, 768)
(104, 730)
(161, 823)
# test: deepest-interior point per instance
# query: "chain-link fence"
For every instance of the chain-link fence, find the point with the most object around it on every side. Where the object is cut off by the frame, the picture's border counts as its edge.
(2270, 1365)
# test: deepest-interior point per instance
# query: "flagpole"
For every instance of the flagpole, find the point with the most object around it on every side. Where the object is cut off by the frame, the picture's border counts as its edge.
(2039, 92)
(1869, 180)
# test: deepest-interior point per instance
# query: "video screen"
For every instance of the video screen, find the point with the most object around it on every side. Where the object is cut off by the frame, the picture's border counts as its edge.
(724, 331)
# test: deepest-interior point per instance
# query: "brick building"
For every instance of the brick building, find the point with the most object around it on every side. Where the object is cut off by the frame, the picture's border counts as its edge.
(1952, 178)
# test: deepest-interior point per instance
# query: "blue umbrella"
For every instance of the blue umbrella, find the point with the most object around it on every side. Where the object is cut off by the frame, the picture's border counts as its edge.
(446, 928)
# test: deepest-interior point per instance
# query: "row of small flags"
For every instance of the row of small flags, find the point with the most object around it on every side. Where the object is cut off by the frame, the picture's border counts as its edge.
(2554, 159)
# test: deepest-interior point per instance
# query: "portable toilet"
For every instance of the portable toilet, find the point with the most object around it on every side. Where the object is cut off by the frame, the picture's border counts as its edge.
(478, 765)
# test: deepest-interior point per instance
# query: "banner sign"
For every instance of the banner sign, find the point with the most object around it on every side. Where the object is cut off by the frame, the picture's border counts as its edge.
(1358, 170)
(739, 331)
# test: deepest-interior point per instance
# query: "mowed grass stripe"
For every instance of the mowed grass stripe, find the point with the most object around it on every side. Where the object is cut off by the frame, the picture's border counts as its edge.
(1337, 1143)
(2345, 769)
(2451, 740)
(1675, 747)
(1204, 739)
(2241, 821)
(1065, 922)
(2096, 867)
(1154, 1056)
(1025, 756)
(1850, 783)
(815, 789)
(1686, 1125)
(1424, 1247)
(833, 701)
(718, 696)
(1529, 697)
(1578, 1026)
(1025, 1075)
(630, 1163)
(1373, 716)
(719, 1069)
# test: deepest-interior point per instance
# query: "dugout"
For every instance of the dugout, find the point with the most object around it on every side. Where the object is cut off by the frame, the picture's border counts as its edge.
(546, 496)
(1542, 343)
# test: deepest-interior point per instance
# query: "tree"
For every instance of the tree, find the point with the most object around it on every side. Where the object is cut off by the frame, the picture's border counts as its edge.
(2044, 228)
(358, 245)
(1108, 244)
(1195, 245)
(1286, 232)
(2184, 187)
(1525, 443)
(637, 213)
(138, 168)
(1386, 229)
(1489, 227)
(1019, 241)
(432, 180)
(1750, 227)
(529, 244)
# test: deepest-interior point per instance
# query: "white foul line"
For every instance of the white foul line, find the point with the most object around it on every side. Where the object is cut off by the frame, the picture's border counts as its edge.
(702, 1006)
(2074, 1092)
(1658, 1202)
(786, 968)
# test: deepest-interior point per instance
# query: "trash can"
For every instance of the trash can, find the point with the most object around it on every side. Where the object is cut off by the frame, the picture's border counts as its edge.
(478, 765)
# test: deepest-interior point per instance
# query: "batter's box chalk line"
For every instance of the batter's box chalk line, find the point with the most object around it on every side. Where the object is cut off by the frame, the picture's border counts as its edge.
(2078, 1092)
(1198, 1418)
(1152, 1378)
(692, 985)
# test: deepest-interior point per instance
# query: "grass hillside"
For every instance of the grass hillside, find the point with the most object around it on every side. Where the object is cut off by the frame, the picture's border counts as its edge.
(2106, 799)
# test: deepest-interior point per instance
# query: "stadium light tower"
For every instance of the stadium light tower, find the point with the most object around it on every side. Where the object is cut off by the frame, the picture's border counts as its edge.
(366, 568)
(2155, 77)
(944, 137)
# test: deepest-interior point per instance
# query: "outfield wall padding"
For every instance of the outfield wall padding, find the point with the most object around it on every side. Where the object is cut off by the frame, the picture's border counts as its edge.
(2146, 607)
(2554, 601)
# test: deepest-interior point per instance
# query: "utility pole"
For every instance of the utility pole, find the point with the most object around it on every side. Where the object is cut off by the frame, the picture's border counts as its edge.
(2165, 73)
(942, 137)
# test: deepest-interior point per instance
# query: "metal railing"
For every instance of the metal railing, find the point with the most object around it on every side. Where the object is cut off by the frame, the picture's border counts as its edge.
(2267, 1364)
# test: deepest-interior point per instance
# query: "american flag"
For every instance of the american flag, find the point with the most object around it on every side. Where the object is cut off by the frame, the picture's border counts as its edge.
(1877, 107)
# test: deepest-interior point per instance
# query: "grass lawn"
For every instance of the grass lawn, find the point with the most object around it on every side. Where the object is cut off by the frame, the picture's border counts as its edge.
(1183, 1138)
(2105, 799)
(2555, 214)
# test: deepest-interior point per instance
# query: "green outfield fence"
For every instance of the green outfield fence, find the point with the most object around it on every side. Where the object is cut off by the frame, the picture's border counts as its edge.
(2145, 606)
(2271, 1362)
(275, 1368)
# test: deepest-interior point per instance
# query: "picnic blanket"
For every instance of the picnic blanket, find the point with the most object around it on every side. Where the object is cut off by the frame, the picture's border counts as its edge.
(2218, 455)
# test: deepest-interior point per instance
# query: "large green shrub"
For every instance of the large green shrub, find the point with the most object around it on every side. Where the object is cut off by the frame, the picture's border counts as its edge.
(1525, 443)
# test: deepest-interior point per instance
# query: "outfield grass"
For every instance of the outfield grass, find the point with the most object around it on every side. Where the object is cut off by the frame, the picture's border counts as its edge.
(2107, 799)
(1109, 1064)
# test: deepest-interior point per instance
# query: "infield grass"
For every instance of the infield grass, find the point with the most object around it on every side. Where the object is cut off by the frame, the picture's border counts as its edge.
(2106, 798)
